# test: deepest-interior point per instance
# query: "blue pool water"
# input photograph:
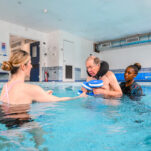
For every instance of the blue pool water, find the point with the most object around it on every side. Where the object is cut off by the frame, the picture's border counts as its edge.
(87, 124)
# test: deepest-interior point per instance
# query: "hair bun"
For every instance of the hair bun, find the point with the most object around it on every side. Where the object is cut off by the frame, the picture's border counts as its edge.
(6, 65)
(138, 65)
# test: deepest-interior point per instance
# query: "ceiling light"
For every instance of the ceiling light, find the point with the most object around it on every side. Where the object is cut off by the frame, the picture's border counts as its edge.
(19, 2)
(45, 10)
(60, 20)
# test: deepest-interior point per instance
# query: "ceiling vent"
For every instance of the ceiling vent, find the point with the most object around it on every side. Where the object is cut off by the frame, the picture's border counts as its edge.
(132, 39)
(106, 45)
(102, 46)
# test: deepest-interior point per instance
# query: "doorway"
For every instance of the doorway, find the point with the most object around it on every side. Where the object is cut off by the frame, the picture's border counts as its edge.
(32, 47)
(35, 60)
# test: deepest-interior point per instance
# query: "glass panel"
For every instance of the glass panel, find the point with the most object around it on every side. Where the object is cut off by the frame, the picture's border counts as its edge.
(34, 51)
(68, 72)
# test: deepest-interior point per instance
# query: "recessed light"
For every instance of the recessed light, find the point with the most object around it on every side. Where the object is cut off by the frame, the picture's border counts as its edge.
(45, 10)
(60, 20)
(19, 2)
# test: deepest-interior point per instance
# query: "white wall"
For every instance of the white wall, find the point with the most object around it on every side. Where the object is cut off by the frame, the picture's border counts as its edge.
(120, 58)
(53, 45)
(7, 29)
(82, 49)
(53, 48)
(4, 37)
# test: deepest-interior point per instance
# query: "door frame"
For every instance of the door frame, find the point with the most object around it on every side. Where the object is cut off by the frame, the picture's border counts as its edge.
(34, 61)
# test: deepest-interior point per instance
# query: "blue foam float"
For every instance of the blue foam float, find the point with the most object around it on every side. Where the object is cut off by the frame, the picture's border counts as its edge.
(95, 83)
(90, 85)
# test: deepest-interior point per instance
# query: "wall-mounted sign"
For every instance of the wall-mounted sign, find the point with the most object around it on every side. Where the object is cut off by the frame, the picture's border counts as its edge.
(3, 49)
(3, 46)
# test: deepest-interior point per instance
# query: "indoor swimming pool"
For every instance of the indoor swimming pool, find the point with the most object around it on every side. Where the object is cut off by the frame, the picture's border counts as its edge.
(85, 124)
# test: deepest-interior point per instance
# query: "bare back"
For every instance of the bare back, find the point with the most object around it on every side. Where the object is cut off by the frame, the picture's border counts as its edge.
(15, 94)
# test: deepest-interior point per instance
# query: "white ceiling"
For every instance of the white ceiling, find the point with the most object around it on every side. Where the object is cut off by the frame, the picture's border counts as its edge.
(96, 20)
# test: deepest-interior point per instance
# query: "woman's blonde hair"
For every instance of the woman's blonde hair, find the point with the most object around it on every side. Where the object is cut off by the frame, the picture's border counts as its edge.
(17, 58)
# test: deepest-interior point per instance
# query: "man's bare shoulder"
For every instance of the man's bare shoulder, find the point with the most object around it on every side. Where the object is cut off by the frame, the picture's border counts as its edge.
(111, 76)
(110, 73)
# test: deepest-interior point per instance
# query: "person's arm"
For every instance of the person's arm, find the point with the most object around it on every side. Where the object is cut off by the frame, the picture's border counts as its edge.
(115, 88)
(38, 94)
(85, 90)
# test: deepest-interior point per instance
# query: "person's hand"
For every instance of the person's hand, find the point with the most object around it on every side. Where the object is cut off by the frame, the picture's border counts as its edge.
(98, 91)
(101, 92)
(50, 92)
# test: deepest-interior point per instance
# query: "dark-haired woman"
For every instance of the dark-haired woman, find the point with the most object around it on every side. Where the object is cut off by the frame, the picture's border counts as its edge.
(130, 87)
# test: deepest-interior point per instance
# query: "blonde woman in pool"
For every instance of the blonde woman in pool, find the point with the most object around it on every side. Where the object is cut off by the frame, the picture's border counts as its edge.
(16, 91)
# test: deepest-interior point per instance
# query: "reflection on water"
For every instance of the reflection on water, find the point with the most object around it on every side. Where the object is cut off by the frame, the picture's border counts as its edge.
(84, 124)
(14, 115)
(17, 122)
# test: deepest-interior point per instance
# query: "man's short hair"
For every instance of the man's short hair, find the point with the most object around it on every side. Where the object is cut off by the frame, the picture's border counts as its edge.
(95, 59)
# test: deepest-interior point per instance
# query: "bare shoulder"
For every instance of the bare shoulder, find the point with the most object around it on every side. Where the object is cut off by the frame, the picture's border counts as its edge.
(110, 74)
(35, 92)
(31, 87)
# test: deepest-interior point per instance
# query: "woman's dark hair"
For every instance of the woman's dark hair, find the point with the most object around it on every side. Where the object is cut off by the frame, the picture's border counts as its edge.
(136, 67)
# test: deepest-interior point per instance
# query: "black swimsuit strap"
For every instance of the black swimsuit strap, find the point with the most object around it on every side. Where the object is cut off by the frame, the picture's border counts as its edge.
(104, 68)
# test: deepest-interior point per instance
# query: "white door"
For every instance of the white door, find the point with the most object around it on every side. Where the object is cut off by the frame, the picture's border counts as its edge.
(68, 63)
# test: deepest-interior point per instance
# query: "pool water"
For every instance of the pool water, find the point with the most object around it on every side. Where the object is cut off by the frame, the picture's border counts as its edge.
(85, 124)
